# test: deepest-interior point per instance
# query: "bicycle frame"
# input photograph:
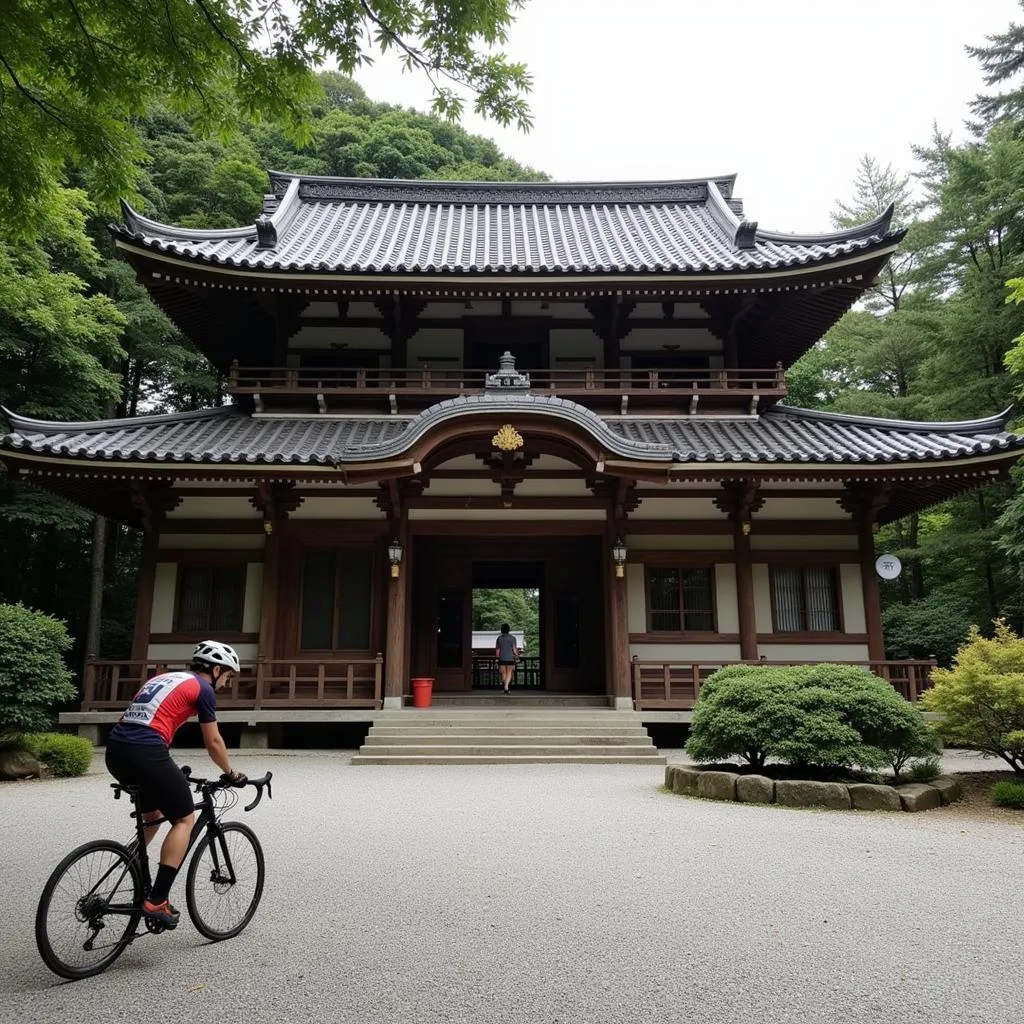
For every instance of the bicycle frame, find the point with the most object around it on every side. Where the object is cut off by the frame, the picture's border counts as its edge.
(206, 823)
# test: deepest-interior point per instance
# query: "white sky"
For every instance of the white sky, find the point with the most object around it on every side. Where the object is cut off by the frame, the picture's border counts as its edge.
(787, 94)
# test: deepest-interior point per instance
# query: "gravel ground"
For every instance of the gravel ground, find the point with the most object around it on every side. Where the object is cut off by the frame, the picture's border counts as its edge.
(542, 893)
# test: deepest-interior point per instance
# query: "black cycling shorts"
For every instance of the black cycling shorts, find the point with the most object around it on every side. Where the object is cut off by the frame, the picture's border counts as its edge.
(162, 787)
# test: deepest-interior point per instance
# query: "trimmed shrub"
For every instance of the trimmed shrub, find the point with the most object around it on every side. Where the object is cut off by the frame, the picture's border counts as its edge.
(926, 770)
(981, 698)
(744, 710)
(1008, 794)
(34, 680)
(822, 716)
(63, 754)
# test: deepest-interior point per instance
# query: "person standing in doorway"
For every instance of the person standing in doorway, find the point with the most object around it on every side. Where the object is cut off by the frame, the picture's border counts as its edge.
(506, 650)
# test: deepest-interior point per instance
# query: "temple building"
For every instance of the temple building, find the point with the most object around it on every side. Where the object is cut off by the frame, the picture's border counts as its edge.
(441, 387)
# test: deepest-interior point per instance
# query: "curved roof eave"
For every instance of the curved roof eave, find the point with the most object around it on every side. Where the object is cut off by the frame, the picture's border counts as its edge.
(28, 425)
(988, 424)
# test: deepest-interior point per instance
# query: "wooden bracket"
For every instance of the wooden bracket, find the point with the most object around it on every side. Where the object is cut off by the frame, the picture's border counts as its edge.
(276, 499)
(153, 499)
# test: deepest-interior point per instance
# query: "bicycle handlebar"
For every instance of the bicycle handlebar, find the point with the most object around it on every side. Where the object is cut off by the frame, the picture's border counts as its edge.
(225, 783)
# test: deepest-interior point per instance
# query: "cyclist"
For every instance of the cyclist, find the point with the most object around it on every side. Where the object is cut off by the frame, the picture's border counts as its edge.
(138, 754)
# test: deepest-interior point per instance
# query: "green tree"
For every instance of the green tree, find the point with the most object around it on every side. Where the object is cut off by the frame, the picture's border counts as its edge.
(981, 698)
(34, 680)
(75, 78)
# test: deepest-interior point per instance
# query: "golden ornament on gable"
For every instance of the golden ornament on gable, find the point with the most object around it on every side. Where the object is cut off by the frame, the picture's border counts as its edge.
(507, 439)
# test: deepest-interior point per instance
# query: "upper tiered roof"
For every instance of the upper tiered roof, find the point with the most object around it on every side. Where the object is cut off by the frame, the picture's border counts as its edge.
(321, 225)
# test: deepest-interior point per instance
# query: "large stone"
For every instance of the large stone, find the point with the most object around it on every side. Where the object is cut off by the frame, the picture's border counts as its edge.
(18, 764)
(717, 785)
(755, 789)
(949, 788)
(684, 780)
(866, 797)
(801, 793)
(919, 796)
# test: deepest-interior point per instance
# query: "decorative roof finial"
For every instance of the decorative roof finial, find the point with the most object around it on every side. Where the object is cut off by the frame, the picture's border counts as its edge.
(507, 375)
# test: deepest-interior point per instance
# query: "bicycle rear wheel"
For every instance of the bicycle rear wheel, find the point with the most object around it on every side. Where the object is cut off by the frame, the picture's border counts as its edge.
(225, 881)
(89, 909)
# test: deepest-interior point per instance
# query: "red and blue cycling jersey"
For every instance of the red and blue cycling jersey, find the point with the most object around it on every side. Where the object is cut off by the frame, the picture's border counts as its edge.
(163, 706)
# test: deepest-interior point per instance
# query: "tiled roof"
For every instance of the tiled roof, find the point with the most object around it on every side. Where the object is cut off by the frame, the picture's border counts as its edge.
(779, 436)
(345, 225)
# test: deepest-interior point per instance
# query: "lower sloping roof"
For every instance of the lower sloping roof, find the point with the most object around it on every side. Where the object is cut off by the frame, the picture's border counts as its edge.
(781, 436)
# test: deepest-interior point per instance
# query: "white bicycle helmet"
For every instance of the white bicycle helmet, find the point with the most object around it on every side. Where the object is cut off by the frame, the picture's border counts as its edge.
(216, 653)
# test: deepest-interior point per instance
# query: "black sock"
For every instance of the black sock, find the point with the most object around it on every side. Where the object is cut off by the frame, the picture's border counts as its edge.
(165, 876)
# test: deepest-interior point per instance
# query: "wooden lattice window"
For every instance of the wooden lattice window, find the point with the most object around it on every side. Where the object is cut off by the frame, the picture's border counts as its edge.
(336, 599)
(806, 600)
(680, 600)
(211, 599)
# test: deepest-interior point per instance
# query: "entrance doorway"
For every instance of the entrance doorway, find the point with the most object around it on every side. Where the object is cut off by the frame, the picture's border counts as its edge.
(458, 585)
(507, 592)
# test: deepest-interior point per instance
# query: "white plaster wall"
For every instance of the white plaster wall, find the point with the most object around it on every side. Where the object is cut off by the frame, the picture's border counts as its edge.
(726, 599)
(802, 508)
(497, 516)
(337, 508)
(314, 339)
(683, 310)
(429, 343)
(854, 613)
(183, 652)
(689, 339)
(814, 652)
(212, 508)
(165, 579)
(458, 488)
(676, 508)
(212, 542)
(636, 598)
(762, 598)
(678, 542)
(253, 597)
(810, 542)
(553, 488)
(684, 653)
(577, 344)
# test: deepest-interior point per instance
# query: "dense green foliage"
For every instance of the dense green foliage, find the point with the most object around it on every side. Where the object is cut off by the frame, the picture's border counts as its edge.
(519, 608)
(981, 698)
(63, 755)
(818, 716)
(34, 680)
(1008, 794)
(75, 79)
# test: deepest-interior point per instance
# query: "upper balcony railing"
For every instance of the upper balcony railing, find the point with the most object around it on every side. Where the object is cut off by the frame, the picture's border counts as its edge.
(681, 390)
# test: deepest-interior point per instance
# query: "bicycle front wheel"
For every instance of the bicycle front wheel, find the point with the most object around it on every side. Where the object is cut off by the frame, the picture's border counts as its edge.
(89, 909)
(225, 881)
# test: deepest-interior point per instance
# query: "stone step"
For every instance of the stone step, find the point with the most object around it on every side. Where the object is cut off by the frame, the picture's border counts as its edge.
(452, 749)
(652, 758)
(509, 728)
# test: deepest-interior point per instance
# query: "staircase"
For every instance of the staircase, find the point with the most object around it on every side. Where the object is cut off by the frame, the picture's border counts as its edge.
(473, 735)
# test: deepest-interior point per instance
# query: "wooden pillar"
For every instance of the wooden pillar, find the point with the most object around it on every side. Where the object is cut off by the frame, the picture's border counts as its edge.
(144, 603)
(270, 600)
(398, 614)
(869, 584)
(745, 593)
(618, 631)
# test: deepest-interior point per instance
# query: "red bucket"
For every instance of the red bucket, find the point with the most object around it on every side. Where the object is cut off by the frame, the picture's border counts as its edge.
(421, 691)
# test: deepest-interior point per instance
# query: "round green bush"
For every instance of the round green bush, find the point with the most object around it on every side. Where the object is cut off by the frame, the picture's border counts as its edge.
(34, 680)
(64, 755)
(1008, 794)
(817, 716)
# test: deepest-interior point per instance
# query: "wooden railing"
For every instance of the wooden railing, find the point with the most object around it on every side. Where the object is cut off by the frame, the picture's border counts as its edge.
(485, 672)
(265, 683)
(446, 381)
(676, 685)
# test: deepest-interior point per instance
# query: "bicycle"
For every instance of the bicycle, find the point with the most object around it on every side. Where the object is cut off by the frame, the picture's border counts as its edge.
(102, 883)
